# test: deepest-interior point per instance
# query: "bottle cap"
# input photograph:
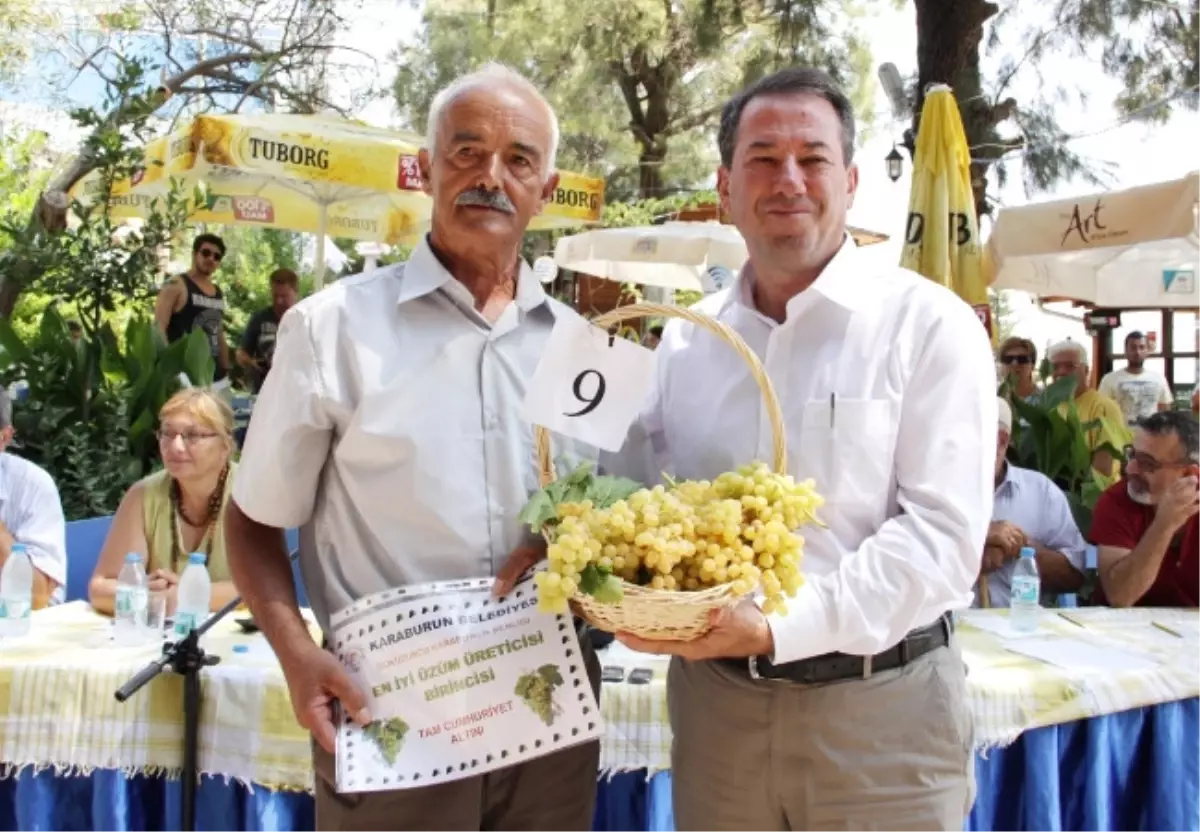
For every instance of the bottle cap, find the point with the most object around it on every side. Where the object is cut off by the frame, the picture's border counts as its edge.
(197, 558)
(1028, 551)
(18, 548)
(133, 557)
(241, 648)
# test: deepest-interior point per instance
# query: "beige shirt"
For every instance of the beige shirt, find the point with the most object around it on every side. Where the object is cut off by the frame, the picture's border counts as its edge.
(390, 430)
(887, 385)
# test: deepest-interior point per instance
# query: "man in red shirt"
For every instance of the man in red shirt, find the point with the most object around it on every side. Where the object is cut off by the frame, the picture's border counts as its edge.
(1145, 526)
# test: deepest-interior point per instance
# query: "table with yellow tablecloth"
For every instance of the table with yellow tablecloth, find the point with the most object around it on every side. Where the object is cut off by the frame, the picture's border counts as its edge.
(57, 707)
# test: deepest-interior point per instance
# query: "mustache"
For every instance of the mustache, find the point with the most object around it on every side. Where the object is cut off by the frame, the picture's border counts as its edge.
(496, 200)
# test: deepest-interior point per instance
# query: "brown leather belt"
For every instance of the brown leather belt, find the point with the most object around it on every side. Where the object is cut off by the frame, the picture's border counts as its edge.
(836, 667)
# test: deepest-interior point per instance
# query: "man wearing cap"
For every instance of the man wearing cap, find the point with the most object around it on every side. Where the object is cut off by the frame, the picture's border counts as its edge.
(31, 513)
(1029, 510)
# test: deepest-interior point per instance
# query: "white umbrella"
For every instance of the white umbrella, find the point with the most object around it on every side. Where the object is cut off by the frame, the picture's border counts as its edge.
(674, 255)
(1124, 249)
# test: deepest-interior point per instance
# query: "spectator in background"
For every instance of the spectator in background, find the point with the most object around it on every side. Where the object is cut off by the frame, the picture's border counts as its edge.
(193, 301)
(31, 513)
(1138, 391)
(180, 509)
(652, 337)
(1144, 527)
(1018, 364)
(258, 342)
(1028, 510)
(1067, 359)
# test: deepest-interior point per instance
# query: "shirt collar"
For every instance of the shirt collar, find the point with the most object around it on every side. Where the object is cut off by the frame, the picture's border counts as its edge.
(424, 273)
(840, 282)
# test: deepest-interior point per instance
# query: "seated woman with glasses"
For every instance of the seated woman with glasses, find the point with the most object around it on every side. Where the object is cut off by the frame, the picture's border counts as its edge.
(178, 510)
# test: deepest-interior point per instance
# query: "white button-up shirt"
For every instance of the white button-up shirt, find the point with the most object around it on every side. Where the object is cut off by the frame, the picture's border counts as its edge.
(1031, 501)
(888, 389)
(390, 429)
(31, 510)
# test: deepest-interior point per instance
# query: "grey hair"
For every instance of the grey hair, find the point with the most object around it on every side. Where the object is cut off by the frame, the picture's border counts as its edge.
(490, 74)
(1178, 422)
(1068, 346)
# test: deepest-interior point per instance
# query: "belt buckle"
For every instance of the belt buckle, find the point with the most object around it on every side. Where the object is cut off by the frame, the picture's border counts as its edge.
(752, 665)
(866, 672)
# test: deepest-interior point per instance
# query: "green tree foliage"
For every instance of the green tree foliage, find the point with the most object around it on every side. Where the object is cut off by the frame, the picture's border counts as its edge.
(1150, 46)
(637, 84)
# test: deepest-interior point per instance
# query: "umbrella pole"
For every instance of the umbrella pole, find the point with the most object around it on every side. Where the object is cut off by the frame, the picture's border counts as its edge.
(319, 281)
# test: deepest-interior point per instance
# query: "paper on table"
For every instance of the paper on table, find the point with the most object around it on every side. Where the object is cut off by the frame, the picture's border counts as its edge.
(1076, 654)
(996, 625)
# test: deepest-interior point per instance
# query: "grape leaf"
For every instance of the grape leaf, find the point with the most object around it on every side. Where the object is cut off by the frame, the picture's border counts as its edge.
(550, 673)
(539, 511)
(610, 590)
(607, 490)
(590, 579)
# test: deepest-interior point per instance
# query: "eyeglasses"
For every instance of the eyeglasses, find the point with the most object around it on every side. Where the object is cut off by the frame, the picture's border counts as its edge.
(211, 254)
(1015, 359)
(1148, 464)
(190, 437)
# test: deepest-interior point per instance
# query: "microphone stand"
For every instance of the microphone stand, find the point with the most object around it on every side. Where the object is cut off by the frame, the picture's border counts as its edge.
(187, 659)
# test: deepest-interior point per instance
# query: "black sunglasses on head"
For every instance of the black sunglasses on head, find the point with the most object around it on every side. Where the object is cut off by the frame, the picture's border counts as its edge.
(1015, 359)
(211, 254)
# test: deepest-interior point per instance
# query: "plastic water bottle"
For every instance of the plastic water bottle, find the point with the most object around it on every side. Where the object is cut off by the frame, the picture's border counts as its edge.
(1025, 596)
(132, 603)
(195, 594)
(16, 592)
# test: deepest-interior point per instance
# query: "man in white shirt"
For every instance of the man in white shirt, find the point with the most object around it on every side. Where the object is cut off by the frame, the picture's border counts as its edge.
(887, 385)
(31, 513)
(1029, 510)
(390, 430)
(1138, 390)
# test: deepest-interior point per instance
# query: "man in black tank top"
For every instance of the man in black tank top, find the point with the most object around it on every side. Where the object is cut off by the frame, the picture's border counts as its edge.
(192, 301)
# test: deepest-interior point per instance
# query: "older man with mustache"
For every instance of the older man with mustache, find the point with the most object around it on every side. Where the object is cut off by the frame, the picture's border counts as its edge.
(389, 429)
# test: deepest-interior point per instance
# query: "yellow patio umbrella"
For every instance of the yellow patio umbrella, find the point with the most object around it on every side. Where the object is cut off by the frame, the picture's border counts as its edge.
(942, 234)
(309, 173)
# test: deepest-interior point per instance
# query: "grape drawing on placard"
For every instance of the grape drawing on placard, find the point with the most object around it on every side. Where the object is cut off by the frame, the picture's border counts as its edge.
(388, 736)
(537, 689)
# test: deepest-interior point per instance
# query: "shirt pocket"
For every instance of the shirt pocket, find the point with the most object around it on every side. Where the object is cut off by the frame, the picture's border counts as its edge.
(848, 447)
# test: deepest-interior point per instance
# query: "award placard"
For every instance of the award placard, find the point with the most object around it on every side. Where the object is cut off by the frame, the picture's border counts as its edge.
(458, 683)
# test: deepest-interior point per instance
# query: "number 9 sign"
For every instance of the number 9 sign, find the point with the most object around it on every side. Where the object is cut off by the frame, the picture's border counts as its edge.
(588, 386)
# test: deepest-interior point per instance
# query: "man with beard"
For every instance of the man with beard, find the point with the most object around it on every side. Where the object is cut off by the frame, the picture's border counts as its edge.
(1138, 391)
(390, 430)
(1145, 526)
(258, 342)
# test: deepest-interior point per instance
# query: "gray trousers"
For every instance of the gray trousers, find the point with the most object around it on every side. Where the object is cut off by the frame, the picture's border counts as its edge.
(890, 752)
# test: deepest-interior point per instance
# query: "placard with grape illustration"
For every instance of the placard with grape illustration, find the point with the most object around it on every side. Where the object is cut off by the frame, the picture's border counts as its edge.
(457, 683)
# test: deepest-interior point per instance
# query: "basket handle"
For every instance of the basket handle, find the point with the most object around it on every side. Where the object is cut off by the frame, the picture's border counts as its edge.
(546, 473)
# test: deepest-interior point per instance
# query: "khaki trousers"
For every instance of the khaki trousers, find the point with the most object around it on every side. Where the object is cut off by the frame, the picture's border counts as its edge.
(555, 792)
(890, 752)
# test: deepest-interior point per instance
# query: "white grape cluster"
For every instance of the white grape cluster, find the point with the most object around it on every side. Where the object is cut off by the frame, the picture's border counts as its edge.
(739, 529)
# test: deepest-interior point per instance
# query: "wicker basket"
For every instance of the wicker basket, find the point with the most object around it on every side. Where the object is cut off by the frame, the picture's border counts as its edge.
(657, 614)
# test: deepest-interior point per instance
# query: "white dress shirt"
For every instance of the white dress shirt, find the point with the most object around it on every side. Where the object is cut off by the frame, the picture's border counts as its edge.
(390, 429)
(887, 384)
(31, 510)
(1031, 501)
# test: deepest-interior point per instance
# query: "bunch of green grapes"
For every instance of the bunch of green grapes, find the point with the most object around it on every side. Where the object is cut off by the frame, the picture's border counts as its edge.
(688, 536)
(773, 507)
(388, 736)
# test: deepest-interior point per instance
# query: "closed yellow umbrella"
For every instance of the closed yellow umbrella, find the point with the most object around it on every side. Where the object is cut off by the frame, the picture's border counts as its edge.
(942, 235)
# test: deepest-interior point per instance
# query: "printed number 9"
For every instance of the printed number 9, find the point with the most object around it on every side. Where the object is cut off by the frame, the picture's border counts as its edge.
(592, 402)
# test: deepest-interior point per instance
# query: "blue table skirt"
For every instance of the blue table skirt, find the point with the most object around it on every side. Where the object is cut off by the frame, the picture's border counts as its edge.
(1138, 769)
